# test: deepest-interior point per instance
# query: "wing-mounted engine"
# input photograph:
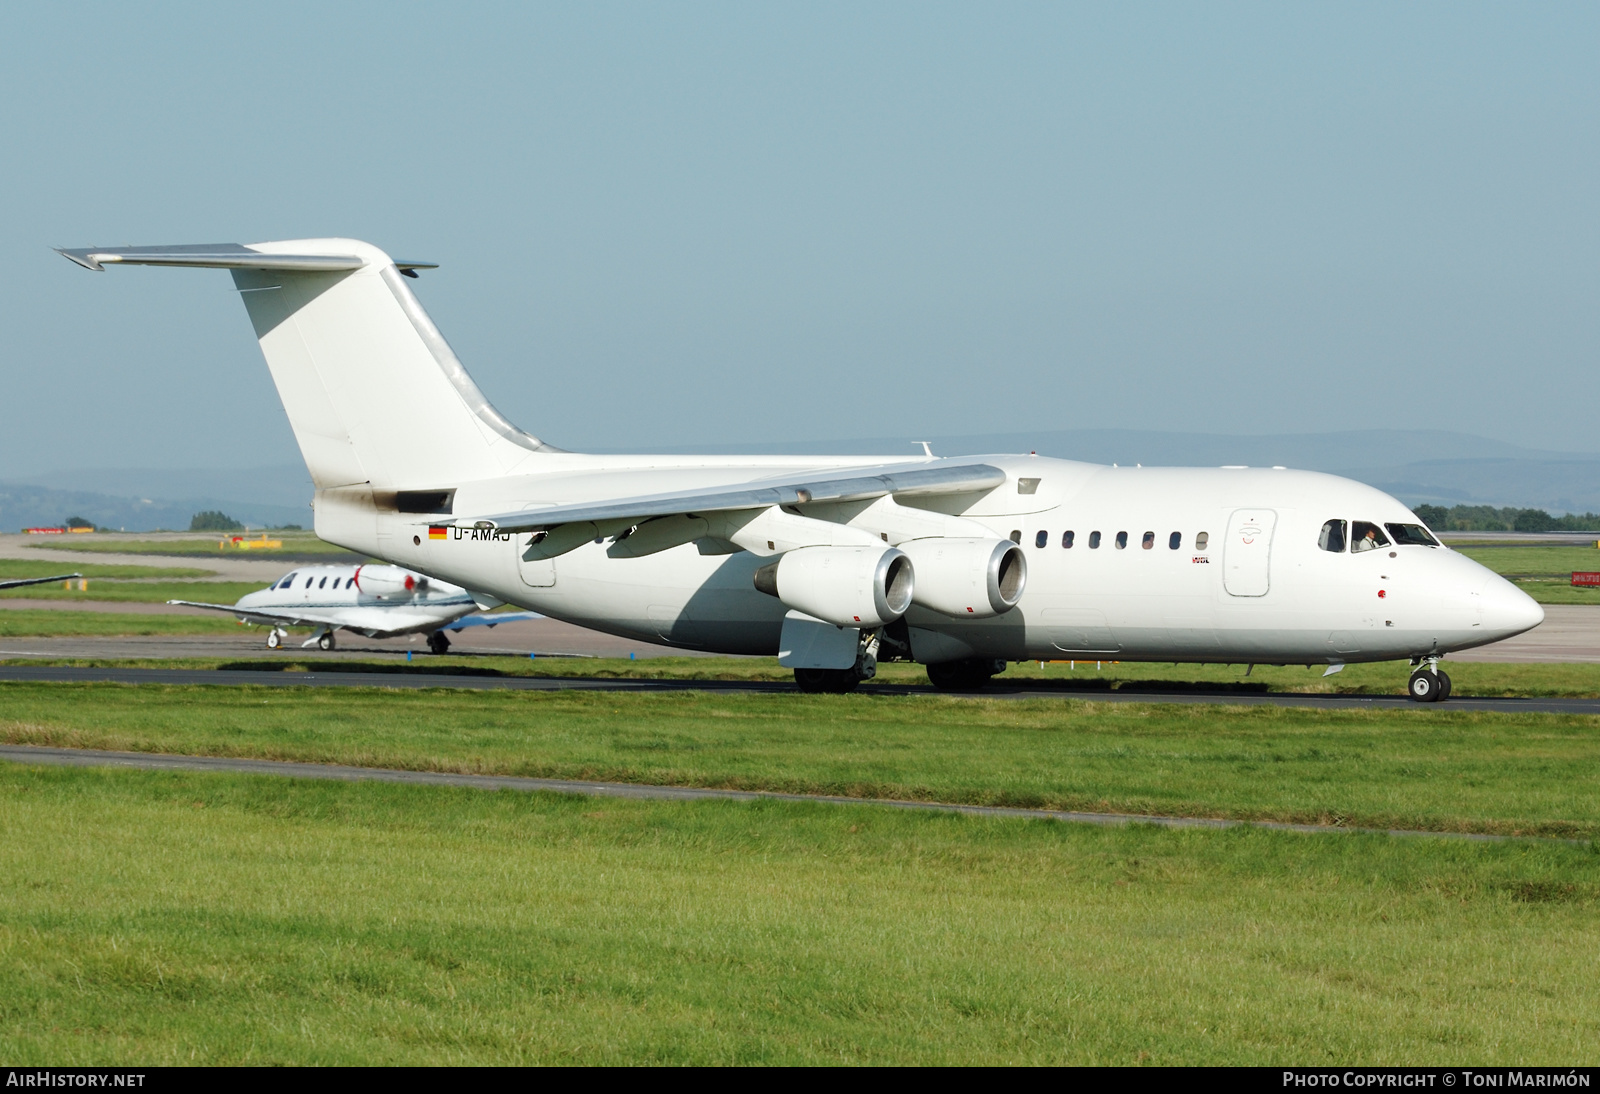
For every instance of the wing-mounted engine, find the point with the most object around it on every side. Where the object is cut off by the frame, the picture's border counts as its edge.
(845, 586)
(389, 582)
(974, 578)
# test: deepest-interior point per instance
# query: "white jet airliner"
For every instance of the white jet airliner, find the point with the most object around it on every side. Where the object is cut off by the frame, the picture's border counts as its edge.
(377, 601)
(832, 563)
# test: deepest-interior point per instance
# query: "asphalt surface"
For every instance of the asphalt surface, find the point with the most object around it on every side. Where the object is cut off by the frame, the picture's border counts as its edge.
(1131, 693)
(74, 757)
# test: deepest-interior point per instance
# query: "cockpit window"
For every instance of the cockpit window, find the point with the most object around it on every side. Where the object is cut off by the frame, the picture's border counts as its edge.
(1411, 535)
(1365, 536)
(1332, 537)
(287, 581)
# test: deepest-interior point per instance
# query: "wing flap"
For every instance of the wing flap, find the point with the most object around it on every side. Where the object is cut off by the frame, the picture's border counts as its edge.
(858, 486)
(256, 615)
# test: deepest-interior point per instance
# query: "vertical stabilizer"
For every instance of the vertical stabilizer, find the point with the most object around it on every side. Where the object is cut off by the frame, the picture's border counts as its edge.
(373, 392)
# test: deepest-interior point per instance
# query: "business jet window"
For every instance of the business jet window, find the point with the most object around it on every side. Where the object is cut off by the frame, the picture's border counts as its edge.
(1066, 539)
(1122, 541)
(1365, 536)
(1149, 540)
(1332, 536)
(1094, 541)
(322, 584)
(1041, 539)
(1016, 535)
(309, 580)
(1175, 540)
(350, 584)
(286, 582)
(1411, 535)
(1201, 540)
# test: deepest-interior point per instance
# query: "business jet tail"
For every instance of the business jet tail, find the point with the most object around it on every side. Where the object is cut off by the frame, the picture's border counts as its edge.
(374, 393)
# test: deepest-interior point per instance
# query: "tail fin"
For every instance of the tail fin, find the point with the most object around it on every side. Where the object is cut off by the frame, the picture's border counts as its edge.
(373, 391)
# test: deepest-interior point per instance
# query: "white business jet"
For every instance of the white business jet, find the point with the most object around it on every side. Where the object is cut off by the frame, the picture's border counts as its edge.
(832, 563)
(377, 601)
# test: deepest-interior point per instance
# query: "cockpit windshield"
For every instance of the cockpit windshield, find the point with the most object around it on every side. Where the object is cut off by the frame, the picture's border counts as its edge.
(287, 581)
(1365, 536)
(1411, 535)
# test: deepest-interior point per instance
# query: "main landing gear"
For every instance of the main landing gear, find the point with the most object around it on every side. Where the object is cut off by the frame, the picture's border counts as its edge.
(438, 643)
(969, 675)
(1429, 683)
(840, 681)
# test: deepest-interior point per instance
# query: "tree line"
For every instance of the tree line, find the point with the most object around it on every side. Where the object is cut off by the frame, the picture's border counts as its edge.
(1486, 518)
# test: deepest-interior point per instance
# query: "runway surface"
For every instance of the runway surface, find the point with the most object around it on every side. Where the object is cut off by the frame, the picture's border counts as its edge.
(1129, 693)
(74, 757)
(1570, 634)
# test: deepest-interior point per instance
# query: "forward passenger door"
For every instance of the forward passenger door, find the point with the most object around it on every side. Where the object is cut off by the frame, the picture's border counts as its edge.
(1247, 552)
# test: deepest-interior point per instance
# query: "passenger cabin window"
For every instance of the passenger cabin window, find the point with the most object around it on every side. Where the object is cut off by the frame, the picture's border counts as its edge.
(1066, 539)
(1016, 536)
(1122, 541)
(1201, 540)
(1094, 541)
(1332, 537)
(309, 580)
(1041, 539)
(1175, 540)
(322, 584)
(350, 583)
(1411, 535)
(1365, 536)
(1149, 540)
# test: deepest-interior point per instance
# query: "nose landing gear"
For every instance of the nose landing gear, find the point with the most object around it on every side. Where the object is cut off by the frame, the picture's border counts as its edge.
(1429, 683)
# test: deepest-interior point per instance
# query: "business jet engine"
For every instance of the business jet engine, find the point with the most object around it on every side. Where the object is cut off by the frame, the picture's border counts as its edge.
(389, 582)
(845, 586)
(970, 578)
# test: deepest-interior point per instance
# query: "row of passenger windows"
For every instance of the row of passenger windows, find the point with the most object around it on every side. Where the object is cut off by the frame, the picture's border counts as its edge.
(1366, 535)
(288, 582)
(1069, 538)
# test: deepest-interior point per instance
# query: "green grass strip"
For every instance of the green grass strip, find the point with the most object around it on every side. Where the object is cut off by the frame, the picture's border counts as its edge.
(175, 918)
(1432, 769)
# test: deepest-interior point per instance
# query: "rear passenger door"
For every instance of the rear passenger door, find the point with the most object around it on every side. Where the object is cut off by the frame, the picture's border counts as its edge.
(1247, 552)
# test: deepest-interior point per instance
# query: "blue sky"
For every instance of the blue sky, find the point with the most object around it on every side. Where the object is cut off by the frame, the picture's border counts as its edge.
(669, 225)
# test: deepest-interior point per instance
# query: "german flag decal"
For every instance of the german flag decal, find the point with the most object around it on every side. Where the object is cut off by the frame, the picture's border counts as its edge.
(436, 531)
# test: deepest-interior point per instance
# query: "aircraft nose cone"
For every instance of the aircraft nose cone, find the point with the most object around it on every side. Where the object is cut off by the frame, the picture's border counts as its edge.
(1507, 610)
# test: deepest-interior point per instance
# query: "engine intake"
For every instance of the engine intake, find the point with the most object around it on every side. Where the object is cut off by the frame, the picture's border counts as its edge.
(971, 578)
(389, 581)
(845, 586)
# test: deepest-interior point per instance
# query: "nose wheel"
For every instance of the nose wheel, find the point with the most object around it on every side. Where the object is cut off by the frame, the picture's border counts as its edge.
(1429, 684)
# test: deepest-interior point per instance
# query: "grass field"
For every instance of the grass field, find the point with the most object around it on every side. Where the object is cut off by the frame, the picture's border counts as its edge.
(296, 546)
(141, 592)
(51, 622)
(178, 918)
(1426, 768)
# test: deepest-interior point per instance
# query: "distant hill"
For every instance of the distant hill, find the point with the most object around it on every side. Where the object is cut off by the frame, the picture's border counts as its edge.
(142, 501)
(1435, 467)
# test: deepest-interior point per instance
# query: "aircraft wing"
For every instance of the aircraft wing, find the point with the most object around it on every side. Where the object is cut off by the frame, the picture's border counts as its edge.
(256, 615)
(850, 484)
(487, 620)
(21, 581)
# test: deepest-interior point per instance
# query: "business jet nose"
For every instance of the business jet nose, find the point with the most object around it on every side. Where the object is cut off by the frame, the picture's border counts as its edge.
(1507, 610)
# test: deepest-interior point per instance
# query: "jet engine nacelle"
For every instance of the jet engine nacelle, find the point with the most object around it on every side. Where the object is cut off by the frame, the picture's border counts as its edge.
(971, 578)
(389, 581)
(845, 586)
